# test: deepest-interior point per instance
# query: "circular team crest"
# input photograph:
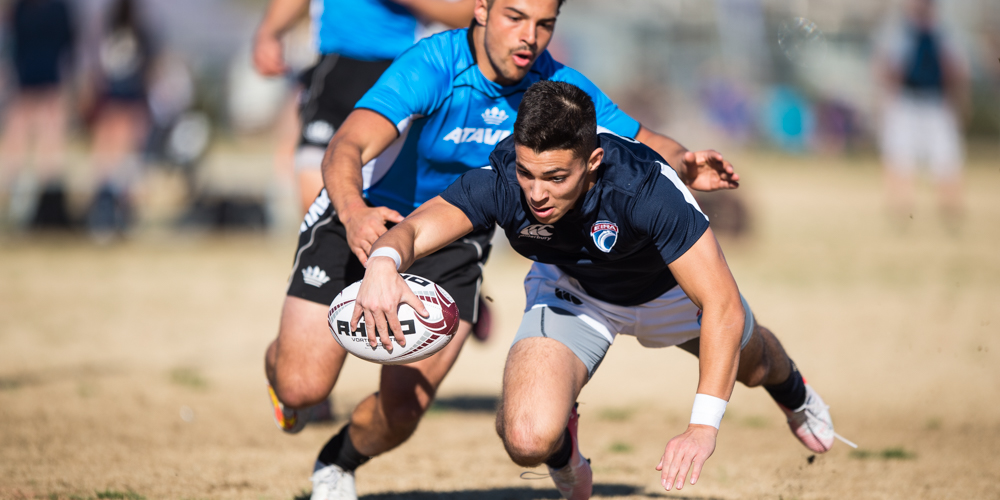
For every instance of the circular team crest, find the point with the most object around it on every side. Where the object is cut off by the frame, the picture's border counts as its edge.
(605, 234)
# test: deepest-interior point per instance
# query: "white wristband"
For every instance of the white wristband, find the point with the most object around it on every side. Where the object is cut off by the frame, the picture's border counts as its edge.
(708, 410)
(387, 252)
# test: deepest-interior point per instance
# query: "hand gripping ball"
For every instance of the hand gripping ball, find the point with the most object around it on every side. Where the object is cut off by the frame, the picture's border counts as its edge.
(424, 336)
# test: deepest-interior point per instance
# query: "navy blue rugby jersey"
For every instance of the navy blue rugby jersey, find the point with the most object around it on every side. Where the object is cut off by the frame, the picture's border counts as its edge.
(617, 242)
(450, 117)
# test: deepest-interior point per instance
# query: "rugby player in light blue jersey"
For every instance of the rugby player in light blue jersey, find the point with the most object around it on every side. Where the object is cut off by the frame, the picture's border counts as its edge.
(357, 40)
(437, 112)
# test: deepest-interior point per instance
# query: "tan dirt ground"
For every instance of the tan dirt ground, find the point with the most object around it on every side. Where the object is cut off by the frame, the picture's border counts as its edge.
(102, 349)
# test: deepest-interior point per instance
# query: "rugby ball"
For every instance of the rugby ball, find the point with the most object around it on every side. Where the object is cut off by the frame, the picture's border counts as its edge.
(424, 336)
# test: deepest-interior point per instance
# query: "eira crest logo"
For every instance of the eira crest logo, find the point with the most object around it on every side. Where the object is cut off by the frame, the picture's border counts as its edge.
(605, 234)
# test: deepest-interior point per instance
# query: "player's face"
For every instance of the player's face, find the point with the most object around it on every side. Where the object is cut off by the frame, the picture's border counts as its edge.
(517, 31)
(553, 181)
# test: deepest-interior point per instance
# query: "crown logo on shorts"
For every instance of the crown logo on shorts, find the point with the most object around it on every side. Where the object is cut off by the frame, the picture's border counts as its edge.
(494, 116)
(314, 276)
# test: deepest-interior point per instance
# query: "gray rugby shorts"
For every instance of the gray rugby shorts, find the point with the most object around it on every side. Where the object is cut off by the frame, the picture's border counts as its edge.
(558, 308)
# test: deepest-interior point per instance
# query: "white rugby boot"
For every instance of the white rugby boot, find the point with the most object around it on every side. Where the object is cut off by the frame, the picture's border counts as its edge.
(811, 422)
(330, 482)
(575, 481)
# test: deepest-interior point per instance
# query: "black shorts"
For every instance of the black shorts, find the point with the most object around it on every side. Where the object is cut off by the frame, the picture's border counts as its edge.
(331, 88)
(325, 265)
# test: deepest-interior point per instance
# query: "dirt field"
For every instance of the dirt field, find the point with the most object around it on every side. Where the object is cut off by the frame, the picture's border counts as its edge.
(136, 370)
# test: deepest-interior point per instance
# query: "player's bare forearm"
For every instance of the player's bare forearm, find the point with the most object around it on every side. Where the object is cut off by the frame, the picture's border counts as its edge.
(705, 277)
(362, 137)
(342, 174)
(436, 224)
(669, 149)
(719, 356)
(432, 226)
(454, 14)
(700, 170)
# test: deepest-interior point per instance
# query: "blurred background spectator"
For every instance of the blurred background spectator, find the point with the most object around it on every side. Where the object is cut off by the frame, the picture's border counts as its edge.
(117, 101)
(924, 77)
(40, 43)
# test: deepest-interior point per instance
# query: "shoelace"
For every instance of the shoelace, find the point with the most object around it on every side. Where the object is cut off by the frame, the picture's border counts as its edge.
(813, 414)
(531, 475)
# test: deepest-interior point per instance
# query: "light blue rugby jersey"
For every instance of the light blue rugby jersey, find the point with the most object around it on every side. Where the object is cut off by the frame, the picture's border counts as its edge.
(369, 30)
(450, 117)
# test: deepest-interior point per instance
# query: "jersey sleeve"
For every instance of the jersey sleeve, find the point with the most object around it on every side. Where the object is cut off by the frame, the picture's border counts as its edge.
(665, 211)
(609, 116)
(415, 84)
(482, 195)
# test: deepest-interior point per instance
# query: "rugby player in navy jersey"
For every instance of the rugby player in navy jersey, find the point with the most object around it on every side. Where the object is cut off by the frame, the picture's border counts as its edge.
(620, 248)
(437, 112)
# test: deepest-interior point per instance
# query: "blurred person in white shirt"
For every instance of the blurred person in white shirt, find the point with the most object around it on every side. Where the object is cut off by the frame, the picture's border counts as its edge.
(924, 75)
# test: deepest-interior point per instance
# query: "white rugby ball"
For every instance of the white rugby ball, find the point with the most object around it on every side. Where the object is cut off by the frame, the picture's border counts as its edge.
(424, 336)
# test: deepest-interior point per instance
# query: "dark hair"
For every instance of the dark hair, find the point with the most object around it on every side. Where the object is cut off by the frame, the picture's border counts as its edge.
(556, 115)
(489, 4)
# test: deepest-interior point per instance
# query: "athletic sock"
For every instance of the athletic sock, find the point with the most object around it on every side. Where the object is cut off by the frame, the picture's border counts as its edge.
(792, 392)
(340, 451)
(560, 458)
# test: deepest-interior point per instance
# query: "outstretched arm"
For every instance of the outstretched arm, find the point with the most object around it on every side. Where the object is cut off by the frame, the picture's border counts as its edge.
(430, 227)
(701, 170)
(704, 276)
(268, 53)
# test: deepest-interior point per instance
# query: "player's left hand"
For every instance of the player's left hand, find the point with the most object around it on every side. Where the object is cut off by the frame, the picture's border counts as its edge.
(689, 451)
(382, 291)
(708, 171)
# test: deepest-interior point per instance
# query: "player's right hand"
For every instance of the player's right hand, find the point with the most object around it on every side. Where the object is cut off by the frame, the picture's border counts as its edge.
(364, 226)
(382, 291)
(269, 55)
(686, 452)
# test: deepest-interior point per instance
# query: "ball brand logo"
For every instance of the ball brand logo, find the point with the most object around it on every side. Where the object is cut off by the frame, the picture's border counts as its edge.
(344, 328)
(605, 234)
(314, 276)
(538, 232)
(494, 116)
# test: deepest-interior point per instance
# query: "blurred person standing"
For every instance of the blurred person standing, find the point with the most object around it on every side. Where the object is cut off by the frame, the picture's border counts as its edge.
(357, 40)
(41, 41)
(124, 57)
(925, 79)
